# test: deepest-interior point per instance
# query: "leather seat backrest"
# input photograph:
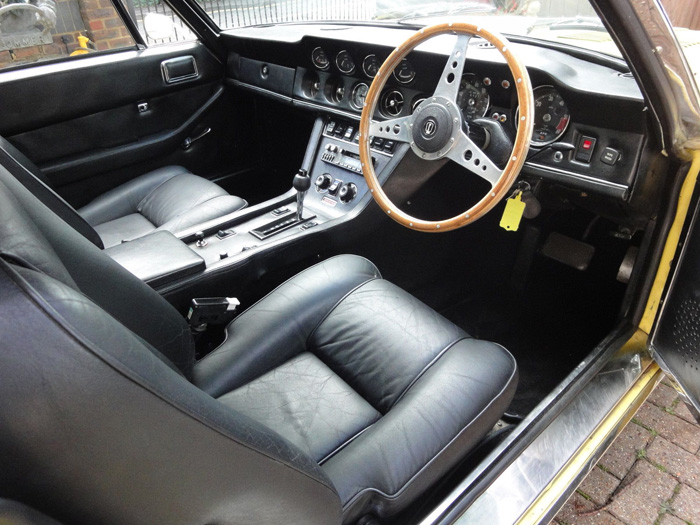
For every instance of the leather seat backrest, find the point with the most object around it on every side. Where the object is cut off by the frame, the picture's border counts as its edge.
(96, 424)
(31, 177)
(60, 251)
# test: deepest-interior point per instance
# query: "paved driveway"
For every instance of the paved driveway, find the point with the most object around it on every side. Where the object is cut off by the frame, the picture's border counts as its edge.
(650, 474)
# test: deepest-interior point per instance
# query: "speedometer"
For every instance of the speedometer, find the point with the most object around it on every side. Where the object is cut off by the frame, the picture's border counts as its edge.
(551, 116)
(472, 97)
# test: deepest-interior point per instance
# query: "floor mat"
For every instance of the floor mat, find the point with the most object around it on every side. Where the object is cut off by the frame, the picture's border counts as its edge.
(549, 327)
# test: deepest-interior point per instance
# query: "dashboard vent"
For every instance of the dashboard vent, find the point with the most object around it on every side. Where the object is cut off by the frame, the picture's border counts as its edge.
(392, 103)
(416, 103)
(485, 45)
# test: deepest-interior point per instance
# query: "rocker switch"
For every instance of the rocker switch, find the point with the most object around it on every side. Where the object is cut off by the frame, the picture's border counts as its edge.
(584, 152)
(333, 189)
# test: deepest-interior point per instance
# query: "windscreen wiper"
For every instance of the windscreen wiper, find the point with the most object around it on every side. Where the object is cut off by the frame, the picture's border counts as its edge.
(450, 10)
(573, 23)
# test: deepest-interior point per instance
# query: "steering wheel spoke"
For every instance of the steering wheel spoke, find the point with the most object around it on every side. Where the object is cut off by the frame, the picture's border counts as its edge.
(468, 155)
(392, 129)
(451, 76)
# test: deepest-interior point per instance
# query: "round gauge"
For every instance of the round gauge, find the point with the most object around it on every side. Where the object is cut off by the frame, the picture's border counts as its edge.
(551, 116)
(370, 66)
(357, 97)
(472, 97)
(344, 62)
(320, 59)
(404, 72)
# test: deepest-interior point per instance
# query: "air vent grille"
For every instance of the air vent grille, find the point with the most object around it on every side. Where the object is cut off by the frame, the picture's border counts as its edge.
(392, 103)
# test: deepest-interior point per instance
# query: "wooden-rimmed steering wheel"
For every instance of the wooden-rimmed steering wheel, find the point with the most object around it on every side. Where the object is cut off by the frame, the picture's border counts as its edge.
(434, 130)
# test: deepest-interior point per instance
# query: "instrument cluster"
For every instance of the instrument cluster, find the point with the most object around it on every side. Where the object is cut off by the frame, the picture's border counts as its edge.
(344, 62)
(475, 95)
(552, 115)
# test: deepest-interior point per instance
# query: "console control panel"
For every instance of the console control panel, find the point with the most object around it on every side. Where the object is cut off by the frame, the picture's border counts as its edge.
(348, 160)
(346, 192)
(347, 132)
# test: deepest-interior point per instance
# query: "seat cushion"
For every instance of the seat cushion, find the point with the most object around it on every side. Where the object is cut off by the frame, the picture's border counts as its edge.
(170, 198)
(300, 400)
(382, 391)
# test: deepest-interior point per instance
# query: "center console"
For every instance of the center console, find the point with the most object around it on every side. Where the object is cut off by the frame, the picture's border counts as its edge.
(336, 193)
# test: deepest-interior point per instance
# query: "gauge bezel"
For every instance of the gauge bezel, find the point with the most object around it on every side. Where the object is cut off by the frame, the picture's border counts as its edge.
(364, 68)
(314, 62)
(537, 143)
(354, 90)
(344, 72)
(404, 82)
(488, 97)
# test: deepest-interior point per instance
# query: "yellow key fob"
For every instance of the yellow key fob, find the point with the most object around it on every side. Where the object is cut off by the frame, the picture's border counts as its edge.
(513, 212)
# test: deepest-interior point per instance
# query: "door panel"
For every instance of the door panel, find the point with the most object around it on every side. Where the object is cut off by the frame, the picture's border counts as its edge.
(676, 340)
(80, 121)
(46, 94)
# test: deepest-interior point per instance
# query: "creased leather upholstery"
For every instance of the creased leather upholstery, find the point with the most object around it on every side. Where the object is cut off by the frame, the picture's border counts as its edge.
(379, 338)
(307, 403)
(97, 429)
(409, 394)
(93, 273)
(286, 317)
(336, 396)
(169, 198)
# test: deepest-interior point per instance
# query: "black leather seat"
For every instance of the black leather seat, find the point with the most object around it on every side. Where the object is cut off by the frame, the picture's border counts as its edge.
(169, 198)
(336, 396)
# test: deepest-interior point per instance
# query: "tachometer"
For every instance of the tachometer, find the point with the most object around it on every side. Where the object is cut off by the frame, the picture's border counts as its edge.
(345, 62)
(551, 116)
(320, 59)
(473, 97)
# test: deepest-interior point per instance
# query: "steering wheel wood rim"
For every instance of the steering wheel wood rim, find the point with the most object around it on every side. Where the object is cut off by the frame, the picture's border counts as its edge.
(402, 127)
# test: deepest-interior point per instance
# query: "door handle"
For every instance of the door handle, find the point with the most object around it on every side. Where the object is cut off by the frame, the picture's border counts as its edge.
(187, 144)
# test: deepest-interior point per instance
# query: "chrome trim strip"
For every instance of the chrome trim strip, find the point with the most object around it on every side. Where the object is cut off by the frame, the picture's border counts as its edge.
(527, 431)
(575, 175)
(318, 107)
(512, 493)
(257, 89)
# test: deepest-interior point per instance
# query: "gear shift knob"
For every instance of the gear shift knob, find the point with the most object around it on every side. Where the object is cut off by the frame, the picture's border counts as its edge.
(302, 183)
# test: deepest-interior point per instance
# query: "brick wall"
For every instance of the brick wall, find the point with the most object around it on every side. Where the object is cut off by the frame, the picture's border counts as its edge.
(96, 19)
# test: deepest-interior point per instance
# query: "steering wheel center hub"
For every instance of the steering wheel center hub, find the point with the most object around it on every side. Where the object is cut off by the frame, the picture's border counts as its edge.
(433, 129)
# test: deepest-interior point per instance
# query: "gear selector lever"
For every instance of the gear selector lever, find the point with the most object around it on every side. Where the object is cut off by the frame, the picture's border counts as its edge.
(302, 183)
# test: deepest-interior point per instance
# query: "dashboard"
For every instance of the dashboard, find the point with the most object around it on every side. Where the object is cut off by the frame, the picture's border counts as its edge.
(590, 128)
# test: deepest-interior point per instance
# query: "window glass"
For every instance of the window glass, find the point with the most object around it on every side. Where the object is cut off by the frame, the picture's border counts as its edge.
(570, 22)
(685, 18)
(37, 30)
(158, 23)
